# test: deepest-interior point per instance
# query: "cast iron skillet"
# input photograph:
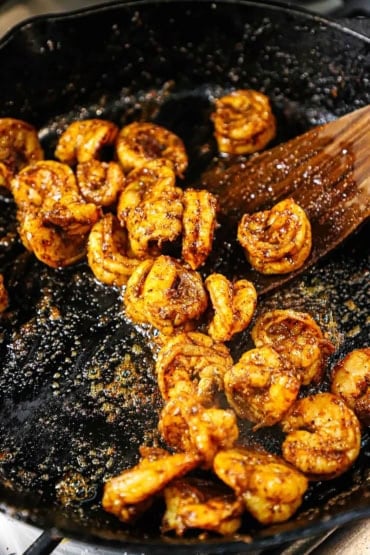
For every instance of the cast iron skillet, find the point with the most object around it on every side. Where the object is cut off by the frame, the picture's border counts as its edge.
(78, 394)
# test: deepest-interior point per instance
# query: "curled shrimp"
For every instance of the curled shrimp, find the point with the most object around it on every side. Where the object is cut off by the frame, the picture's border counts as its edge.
(164, 294)
(19, 147)
(140, 142)
(298, 338)
(50, 189)
(276, 241)
(186, 425)
(137, 485)
(323, 436)
(4, 298)
(201, 504)
(233, 304)
(271, 489)
(199, 222)
(108, 252)
(100, 182)
(83, 140)
(350, 380)
(243, 122)
(150, 207)
(50, 244)
(261, 386)
(195, 360)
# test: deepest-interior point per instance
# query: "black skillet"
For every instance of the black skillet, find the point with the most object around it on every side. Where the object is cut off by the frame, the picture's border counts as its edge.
(77, 390)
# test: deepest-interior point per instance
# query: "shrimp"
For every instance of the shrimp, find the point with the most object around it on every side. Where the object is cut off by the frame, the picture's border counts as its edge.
(108, 252)
(323, 436)
(19, 147)
(350, 380)
(298, 338)
(49, 244)
(261, 386)
(186, 425)
(151, 208)
(271, 489)
(164, 294)
(100, 182)
(199, 222)
(276, 241)
(194, 359)
(49, 188)
(84, 140)
(243, 122)
(4, 298)
(201, 504)
(137, 485)
(139, 142)
(233, 304)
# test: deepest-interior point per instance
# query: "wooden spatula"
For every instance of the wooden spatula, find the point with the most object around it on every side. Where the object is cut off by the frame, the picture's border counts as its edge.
(327, 172)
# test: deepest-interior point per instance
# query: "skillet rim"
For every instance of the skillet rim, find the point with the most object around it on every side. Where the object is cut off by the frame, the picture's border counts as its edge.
(219, 545)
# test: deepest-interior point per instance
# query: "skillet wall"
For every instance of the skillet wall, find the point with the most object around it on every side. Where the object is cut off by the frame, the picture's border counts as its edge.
(53, 66)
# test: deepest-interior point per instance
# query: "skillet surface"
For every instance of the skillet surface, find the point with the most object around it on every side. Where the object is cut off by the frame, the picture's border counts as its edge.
(78, 394)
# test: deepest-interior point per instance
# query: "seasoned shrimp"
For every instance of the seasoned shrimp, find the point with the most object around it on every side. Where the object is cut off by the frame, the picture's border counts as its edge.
(261, 386)
(4, 299)
(271, 489)
(298, 338)
(199, 222)
(276, 241)
(50, 244)
(193, 358)
(139, 142)
(100, 182)
(201, 504)
(324, 436)
(350, 380)
(233, 304)
(50, 189)
(137, 485)
(108, 253)
(19, 147)
(151, 208)
(186, 425)
(243, 122)
(164, 294)
(84, 140)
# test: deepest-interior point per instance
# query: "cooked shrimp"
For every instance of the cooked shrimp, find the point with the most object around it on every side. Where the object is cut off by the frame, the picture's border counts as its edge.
(164, 294)
(108, 253)
(276, 241)
(19, 147)
(139, 142)
(75, 217)
(243, 121)
(351, 381)
(261, 386)
(4, 299)
(298, 338)
(196, 359)
(84, 140)
(233, 304)
(271, 489)
(140, 483)
(100, 182)
(324, 436)
(49, 244)
(205, 505)
(199, 222)
(43, 180)
(186, 425)
(151, 208)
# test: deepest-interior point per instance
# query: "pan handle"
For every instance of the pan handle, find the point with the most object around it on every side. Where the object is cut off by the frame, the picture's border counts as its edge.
(44, 544)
